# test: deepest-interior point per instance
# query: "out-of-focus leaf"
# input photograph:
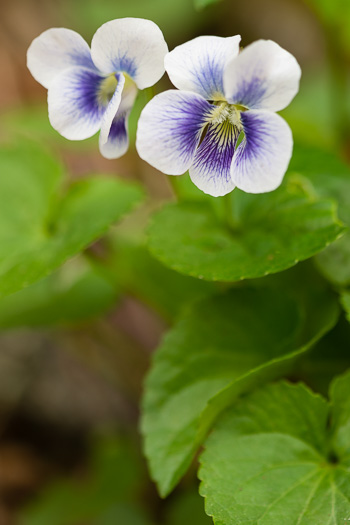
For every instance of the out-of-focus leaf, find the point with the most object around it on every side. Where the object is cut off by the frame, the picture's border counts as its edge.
(327, 359)
(335, 15)
(145, 277)
(201, 4)
(345, 299)
(330, 178)
(114, 479)
(75, 292)
(269, 233)
(220, 348)
(272, 459)
(187, 508)
(170, 16)
(124, 515)
(41, 226)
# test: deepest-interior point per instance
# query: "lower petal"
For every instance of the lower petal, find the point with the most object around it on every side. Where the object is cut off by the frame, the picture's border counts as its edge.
(169, 130)
(75, 110)
(114, 140)
(210, 171)
(261, 160)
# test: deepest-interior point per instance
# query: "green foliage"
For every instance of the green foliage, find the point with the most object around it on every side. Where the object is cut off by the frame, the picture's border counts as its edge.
(345, 299)
(201, 4)
(272, 459)
(146, 278)
(335, 16)
(42, 225)
(75, 292)
(268, 233)
(221, 347)
(108, 491)
(330, 178)
(187, 508)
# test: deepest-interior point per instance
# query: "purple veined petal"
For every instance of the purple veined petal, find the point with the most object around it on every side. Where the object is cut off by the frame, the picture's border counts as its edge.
(263, 76)
(131, 45)
(114, 138)
(75, 106)
(169, 130)
(198, 65)
(210, 170)
(262, 158)
(55, 50)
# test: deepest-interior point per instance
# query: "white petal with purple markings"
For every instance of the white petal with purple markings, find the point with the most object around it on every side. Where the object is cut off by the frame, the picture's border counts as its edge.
(198, 65)
(169, 130)
(114, 140)
(75, 108)
(55, 50)
(130, 45)
(210, 170)
(262, 158)
(263, 76)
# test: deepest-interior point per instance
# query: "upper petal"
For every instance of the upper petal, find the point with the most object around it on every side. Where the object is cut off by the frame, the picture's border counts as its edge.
(263, 76)
(114, 139)
(131, 45)
(75, 107)
(198, 65)
(169, 130)
(55, 50)
(262, 158)
(210, 171)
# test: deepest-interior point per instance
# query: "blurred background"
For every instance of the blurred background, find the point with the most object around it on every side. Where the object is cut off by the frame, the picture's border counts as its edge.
(75, 347)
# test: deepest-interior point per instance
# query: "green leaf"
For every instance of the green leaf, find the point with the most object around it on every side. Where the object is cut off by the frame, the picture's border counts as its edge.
(220, 348)
(270, 233)
(272, 459)
(340, 421)
(111, 487)
(41, 226)
(327, 359)
(187, 508)
(335, 15)
(201, 4)
(145, 277)
(123, 514)
(75, 292)
(330, 178)
(345, 300)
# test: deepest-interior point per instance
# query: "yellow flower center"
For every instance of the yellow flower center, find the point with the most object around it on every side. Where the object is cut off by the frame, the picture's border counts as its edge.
(223, 111)
(107, 89)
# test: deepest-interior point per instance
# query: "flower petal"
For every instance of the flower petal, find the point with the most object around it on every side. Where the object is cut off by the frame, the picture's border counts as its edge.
(55, 50)
(131, 45)
(114, 140)
(262, 158)
(169, 130)
(210, 171)
(198, 65)
(75, 109)
(263, 76)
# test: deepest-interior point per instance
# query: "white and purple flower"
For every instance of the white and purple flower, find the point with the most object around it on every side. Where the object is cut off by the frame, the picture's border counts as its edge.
(91, 90)
(221, 125)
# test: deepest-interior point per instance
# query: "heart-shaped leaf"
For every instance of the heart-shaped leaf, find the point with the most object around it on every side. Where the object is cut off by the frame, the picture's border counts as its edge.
(220, 348)
(273, 459)
(267, 234)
